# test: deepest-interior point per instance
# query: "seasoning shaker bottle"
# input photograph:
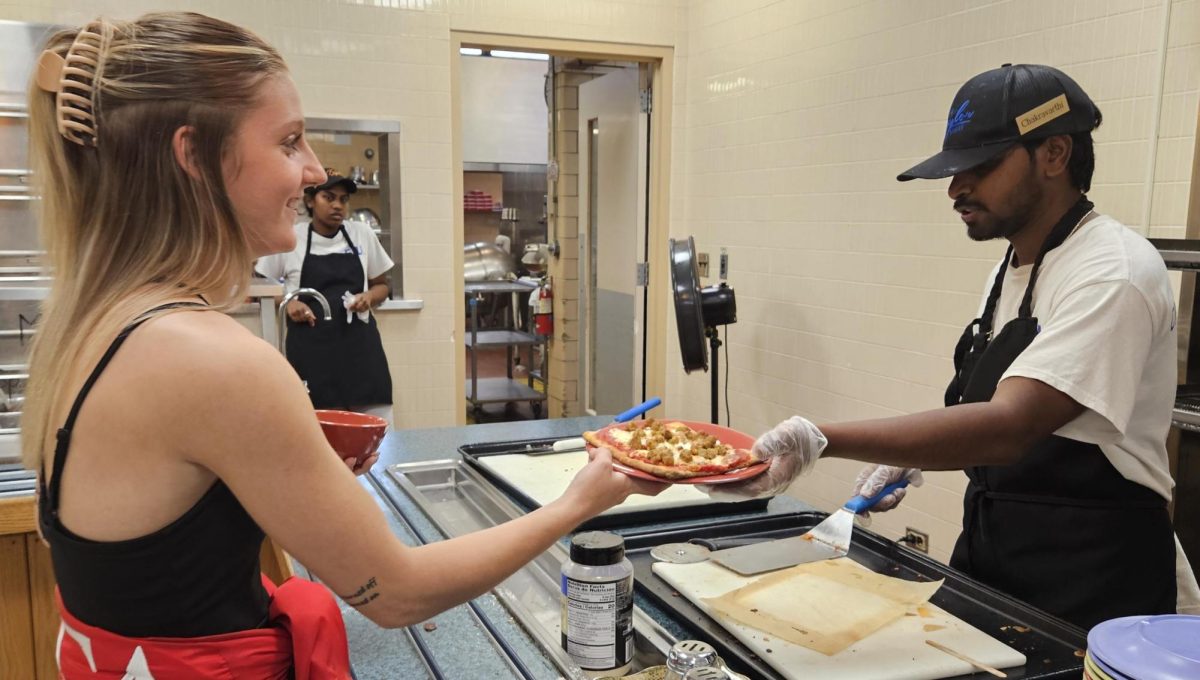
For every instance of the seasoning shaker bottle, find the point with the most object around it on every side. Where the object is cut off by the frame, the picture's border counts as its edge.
(597, 604)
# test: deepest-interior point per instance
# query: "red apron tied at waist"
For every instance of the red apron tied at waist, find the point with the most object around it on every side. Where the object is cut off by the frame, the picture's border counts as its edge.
(306, 641)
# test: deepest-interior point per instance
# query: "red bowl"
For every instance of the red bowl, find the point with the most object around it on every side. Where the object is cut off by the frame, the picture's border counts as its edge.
(352, 435)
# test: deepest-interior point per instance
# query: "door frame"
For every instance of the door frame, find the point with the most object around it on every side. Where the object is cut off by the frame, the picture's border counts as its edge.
(588, 247)
(662, 65)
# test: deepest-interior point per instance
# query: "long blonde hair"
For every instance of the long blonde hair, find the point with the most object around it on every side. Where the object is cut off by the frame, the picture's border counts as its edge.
(124, 226)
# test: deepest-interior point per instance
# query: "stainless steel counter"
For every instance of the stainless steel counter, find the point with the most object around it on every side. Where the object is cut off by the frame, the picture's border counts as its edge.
(480, 639)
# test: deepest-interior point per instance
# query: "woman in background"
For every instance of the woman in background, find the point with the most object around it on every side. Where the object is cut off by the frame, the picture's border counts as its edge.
(341, 361)
(170, 152)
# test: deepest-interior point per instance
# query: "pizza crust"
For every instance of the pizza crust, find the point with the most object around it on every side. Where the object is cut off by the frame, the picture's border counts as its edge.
(594, 439)
(657, 470)
(624, 458)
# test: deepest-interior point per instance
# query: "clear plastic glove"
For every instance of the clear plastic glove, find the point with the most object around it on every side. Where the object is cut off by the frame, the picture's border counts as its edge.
(792, 447)
(872, 479)
(355, 305)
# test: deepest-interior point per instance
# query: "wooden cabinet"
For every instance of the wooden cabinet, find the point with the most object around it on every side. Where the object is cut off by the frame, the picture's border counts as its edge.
(28, 616)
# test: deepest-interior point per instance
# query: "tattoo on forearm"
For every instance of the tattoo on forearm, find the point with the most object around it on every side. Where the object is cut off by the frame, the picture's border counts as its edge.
(363, 595)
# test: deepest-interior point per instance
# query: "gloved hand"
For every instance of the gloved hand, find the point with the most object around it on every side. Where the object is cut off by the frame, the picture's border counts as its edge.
(351, 302)
(792, 447)
(872, 479)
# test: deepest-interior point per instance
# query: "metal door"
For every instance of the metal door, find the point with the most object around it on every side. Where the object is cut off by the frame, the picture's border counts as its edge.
(612, 238)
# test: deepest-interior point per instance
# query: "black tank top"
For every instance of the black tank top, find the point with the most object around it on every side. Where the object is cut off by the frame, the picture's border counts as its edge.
(197, 576)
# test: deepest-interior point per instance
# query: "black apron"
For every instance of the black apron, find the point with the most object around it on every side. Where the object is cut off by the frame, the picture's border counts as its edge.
(342, 364)
(1060, 529)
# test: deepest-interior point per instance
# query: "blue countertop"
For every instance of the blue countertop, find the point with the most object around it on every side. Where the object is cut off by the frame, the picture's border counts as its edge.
(460, 645)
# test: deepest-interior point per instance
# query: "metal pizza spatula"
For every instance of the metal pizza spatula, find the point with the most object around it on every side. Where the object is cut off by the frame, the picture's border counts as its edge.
(828, 540)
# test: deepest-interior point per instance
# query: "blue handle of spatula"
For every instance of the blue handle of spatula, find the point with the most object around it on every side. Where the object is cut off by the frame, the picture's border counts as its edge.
(638, 410)
(859, 504)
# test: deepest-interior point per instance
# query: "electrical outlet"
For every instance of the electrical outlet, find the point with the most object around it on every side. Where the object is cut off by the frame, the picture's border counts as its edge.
(917, 540)
(702, 264)
(724, 264)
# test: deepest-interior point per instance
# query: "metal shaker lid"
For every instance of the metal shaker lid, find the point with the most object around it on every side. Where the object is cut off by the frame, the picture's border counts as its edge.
(688, 654)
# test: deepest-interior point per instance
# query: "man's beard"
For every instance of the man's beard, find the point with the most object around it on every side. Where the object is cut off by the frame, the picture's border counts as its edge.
(1024, 199)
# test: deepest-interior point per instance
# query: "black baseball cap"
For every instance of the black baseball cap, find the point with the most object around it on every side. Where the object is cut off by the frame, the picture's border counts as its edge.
(332, 180)
(1002, 107)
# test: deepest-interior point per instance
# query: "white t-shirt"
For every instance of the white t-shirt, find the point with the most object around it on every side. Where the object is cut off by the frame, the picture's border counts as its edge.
(1106, 313)
(285, 267)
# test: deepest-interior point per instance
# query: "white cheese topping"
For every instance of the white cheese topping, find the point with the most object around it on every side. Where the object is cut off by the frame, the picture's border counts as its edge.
(677, 447)
(621, 435)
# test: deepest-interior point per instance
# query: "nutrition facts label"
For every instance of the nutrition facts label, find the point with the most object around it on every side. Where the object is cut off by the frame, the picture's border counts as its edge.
(598, 622)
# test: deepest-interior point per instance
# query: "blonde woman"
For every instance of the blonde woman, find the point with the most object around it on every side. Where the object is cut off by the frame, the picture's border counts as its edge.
(169, 153)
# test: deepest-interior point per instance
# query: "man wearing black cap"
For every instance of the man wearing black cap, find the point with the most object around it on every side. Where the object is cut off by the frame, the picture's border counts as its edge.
(341, 361)
(1061, 400)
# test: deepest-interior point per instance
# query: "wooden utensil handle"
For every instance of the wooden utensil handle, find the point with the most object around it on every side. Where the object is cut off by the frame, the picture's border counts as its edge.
(964, 657)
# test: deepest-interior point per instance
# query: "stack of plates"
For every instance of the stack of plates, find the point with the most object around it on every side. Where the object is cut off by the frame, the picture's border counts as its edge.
(1096, 670)
(1144, 648)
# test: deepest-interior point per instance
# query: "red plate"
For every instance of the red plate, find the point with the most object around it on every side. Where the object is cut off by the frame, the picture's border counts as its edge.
(735, 476)
(737, 440)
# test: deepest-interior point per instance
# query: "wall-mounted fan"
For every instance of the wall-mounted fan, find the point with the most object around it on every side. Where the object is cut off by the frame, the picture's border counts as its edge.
(698, 312)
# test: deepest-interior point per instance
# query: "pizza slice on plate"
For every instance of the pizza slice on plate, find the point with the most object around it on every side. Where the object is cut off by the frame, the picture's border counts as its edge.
(670, 449)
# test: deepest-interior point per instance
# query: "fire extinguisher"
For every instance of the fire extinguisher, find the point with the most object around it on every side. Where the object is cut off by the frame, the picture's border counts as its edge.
(543, 311)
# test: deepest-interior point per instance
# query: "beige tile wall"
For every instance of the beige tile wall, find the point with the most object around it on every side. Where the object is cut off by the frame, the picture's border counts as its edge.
(391, 59)
(852, 287)
(791, 120)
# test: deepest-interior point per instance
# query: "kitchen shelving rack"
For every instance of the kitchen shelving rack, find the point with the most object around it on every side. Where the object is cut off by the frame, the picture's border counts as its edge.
(509, 389)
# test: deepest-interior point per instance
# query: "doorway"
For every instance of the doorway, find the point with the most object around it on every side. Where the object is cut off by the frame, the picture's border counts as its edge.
(505, 129)
(592, 365)
(612, 180)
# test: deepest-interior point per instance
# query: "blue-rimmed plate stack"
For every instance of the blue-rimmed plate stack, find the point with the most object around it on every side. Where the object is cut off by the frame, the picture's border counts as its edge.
(1144, 648)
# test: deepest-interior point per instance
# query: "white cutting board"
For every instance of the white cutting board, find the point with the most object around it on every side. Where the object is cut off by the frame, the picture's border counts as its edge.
(544, 478)
(895, 652)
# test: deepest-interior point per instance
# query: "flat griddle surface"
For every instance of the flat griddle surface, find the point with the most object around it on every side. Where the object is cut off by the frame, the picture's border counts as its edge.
(1054, 648)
